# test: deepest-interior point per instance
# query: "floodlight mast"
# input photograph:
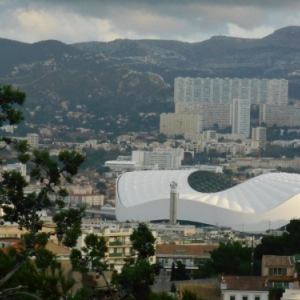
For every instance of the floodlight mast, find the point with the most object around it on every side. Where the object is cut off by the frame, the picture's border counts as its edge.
(174, 195)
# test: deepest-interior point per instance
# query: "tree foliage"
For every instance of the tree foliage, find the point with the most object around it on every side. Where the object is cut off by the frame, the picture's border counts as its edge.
(230, 259)
(285, 244)
(136, 277)
(33, 267)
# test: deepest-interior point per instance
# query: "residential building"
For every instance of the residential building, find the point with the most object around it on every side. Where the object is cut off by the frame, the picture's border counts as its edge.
(244, 288)
(33, 140)
(280, 271)
(180, 123)
(223, 90)
(119, 246)
(192, 255)
(281, 115)
(240, 116)
(214, 115)
(266, 163)
(259, 134)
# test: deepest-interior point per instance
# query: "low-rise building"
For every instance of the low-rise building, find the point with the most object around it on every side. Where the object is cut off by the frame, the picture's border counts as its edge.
(244, 288)
(280, 271)
(192, 255)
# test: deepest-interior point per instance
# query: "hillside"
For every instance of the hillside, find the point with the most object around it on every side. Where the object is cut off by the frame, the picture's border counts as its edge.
(79, 84)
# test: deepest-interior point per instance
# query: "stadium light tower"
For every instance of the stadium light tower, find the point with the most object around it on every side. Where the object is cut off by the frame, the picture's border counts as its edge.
(174, 195)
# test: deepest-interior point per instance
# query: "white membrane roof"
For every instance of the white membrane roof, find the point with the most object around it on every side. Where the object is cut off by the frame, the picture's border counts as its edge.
(141, 193)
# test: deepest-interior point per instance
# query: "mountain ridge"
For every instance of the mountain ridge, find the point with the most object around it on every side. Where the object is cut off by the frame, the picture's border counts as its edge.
(65, 83)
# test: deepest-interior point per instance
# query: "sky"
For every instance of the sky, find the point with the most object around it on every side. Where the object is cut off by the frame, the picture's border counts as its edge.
(73, 21)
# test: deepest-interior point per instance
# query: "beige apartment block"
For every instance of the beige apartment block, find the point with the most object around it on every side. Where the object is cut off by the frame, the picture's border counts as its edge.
(33, 140)
(119, 246)
(180, 124)
(213, 114)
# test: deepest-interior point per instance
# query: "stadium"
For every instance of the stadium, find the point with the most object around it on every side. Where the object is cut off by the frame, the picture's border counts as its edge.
(258, 204)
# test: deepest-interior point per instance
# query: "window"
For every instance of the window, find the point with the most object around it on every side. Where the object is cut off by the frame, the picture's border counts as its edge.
(232, 297)
(277, 271)
(281, 284)
(257, 298)
(245, 297)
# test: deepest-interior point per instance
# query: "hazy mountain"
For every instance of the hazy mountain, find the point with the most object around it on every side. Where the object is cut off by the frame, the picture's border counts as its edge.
(80, 83)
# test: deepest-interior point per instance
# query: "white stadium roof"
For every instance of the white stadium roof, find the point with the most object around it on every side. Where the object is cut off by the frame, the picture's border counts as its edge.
(266, 201)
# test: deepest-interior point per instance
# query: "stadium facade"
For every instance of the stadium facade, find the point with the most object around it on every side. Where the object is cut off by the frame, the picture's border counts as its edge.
(265, 202)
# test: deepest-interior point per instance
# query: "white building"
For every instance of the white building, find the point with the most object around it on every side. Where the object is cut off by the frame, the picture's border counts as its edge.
(240, 116)
(281, 115)
(223, 90)
(21, 168)
(33, 140)
(259, 134)
(162, 158)
(244, 288)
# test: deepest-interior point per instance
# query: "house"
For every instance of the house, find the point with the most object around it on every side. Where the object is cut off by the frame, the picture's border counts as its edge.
(280, 271)
(191, 255)
(244, 288)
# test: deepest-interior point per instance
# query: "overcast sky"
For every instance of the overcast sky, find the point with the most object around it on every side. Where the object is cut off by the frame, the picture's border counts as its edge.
(72, 21)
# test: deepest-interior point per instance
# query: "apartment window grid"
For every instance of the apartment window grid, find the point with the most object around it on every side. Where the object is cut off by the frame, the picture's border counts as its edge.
(222, 90)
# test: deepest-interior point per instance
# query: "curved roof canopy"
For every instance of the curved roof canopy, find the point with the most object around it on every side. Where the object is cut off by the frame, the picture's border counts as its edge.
(266, 201)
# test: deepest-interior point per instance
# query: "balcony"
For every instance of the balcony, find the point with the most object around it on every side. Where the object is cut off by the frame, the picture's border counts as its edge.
(117, 243)
(115, 254)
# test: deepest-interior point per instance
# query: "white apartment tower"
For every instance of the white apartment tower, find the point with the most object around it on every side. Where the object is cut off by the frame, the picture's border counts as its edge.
(223, 90)
(33, 140)
(240, 116)
(259, 134)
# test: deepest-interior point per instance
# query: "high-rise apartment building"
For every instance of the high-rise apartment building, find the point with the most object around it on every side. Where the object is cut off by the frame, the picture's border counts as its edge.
(259, 134)
(223, 90)
(281, 115)
(240, 116)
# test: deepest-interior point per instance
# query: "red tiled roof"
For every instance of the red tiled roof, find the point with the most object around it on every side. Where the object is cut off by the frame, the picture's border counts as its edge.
(282, 278)
(202, 291)
(15, 243)
(246, 283)
(277, 261)
(190, 250)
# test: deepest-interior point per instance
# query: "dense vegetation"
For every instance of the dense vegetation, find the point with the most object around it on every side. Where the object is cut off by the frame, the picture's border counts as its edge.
(210, 182)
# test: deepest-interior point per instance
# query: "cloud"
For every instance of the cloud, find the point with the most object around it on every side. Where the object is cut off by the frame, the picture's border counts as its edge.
(104, 20)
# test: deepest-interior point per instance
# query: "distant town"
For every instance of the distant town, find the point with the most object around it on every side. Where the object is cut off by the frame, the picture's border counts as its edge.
(240, 128)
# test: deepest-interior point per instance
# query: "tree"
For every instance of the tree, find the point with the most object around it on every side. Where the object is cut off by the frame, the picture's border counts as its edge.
(173, 288)
(136, 277)
(286, 244)
(275, 293)
(179, 273)
(231, 259)
(25, 209)
(188, 295)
